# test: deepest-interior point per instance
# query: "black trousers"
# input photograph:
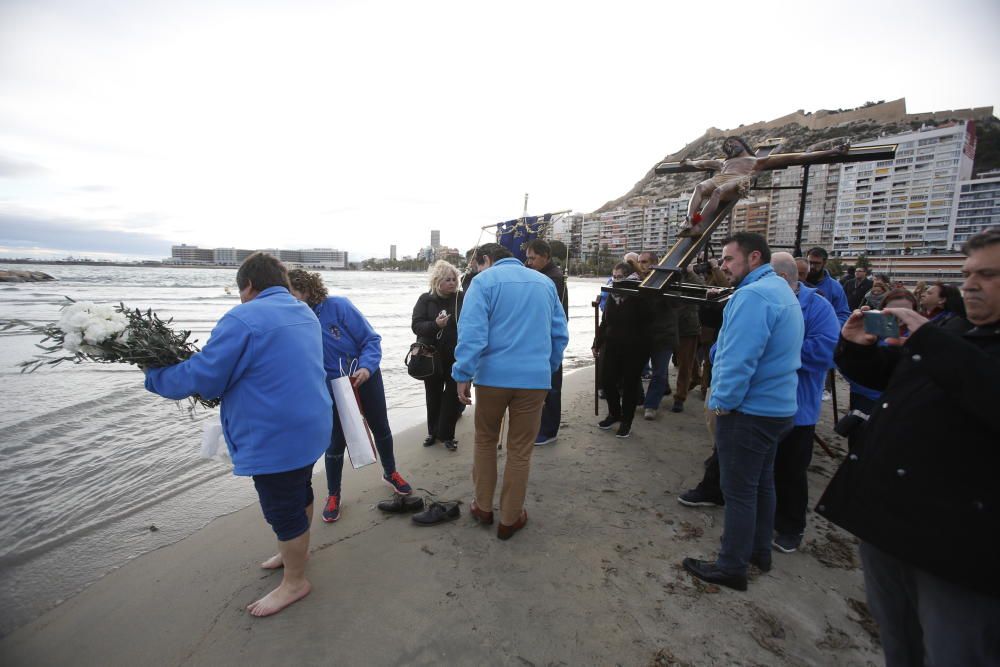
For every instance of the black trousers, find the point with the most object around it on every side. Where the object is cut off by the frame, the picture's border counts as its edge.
(790, 483)
(552, 410)
(621, 377)
(441, 396)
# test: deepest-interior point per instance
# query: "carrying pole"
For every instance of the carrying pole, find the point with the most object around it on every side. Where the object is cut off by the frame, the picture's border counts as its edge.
(597, 360)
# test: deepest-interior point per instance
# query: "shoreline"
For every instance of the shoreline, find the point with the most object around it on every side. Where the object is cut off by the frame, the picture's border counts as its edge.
(594, 578)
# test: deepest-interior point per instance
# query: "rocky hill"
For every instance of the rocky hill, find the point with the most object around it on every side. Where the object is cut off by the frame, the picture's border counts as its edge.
(821, 129)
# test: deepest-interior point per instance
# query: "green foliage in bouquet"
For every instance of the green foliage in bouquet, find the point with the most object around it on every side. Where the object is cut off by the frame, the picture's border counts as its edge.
(122, 335)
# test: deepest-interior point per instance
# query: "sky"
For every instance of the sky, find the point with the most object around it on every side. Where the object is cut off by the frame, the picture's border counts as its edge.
(130, 126)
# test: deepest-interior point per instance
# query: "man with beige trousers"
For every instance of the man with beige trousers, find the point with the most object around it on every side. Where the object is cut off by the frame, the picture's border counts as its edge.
(511, 340)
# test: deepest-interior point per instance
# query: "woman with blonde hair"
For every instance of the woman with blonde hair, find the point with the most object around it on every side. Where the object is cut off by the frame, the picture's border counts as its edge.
(435, 322)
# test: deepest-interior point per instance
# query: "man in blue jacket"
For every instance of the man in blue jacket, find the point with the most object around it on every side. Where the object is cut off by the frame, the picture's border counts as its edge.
(265, 360)
(822, 331)
(510, 341)
(753, 396)
(819, 278)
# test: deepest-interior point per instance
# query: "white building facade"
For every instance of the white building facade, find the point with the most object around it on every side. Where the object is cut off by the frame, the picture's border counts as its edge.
(978, 207)
(908, 204)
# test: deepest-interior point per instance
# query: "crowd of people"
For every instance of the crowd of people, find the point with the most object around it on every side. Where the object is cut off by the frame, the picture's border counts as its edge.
(916, 486)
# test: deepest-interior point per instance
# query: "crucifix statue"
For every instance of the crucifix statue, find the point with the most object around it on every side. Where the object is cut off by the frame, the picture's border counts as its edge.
(735, 176)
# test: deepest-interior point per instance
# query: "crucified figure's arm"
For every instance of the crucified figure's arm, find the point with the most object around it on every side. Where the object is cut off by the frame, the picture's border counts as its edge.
(704, 165)
(790, 159)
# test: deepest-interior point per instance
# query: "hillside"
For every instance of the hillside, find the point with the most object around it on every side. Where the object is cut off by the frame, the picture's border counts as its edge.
(804, 130)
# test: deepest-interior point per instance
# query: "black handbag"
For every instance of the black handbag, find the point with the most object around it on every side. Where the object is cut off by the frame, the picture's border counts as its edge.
(422, 362)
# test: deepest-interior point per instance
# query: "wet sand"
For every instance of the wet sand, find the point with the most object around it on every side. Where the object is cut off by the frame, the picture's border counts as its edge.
(594, 578)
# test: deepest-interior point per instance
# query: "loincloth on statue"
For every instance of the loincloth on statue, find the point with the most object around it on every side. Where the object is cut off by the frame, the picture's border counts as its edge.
(743, 182)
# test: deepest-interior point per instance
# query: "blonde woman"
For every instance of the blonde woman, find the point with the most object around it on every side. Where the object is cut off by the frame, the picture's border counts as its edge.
(435, 322)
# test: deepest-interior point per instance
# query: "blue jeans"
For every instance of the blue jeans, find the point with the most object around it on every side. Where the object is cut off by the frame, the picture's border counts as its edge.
(373, 408)
(658, 380)
(747, 445)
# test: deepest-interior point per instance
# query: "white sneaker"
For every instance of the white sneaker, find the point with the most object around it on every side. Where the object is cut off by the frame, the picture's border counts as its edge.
(649, 414)
(826, 395)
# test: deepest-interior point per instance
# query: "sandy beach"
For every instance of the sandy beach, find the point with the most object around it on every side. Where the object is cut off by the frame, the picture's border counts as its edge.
(594, 578)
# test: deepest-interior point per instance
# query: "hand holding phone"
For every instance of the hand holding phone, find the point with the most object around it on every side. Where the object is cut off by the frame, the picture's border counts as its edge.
(881, 324)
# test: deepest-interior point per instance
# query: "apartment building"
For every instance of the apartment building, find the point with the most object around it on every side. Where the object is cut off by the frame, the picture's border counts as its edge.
(820, 206)
(978, 207)
(908, 204)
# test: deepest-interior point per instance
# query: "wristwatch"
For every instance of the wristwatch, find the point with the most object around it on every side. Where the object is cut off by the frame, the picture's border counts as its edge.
(719, 412)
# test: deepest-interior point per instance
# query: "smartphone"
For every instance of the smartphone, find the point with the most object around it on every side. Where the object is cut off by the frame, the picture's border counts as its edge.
(881, 324)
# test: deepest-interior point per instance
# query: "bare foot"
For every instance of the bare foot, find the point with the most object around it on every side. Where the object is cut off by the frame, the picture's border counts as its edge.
(690, 231)
(275, 562)
(278, 599)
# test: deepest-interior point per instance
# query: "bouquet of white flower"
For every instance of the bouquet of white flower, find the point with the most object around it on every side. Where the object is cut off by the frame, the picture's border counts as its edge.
(106, 334)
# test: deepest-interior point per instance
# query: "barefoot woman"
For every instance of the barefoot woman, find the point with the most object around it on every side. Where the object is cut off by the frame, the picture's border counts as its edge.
(265, 360)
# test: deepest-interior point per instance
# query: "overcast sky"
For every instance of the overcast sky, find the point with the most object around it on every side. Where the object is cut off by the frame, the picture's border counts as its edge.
(128, 126)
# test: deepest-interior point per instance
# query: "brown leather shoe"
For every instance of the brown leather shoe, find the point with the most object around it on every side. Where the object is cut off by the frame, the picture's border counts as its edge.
(483, 517)
(505, 532)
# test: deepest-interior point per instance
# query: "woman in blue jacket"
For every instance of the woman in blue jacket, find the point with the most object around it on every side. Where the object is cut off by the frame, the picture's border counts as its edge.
(348, 337)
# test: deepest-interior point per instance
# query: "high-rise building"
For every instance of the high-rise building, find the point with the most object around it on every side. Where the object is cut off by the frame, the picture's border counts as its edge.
(435, 238)
(752, 215)
(820, 206)
(392, 253)
(978, 206)
(908, 204)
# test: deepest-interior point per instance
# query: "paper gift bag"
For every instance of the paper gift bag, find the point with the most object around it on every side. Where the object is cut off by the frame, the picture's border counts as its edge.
(213, 442)
(360, 446)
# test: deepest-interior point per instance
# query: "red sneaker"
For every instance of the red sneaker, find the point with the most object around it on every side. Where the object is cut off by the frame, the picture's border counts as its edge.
(398, 484)
(332, 510)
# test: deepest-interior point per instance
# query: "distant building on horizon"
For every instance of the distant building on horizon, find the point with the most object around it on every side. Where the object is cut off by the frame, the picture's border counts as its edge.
(392, 253)
(435, 238)
(315, 258)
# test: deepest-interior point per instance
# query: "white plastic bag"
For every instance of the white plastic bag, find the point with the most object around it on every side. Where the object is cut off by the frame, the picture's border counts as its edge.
(213, 442)
(360, 446)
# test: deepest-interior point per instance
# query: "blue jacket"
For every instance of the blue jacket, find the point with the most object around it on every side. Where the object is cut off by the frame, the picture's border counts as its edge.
(513, 329)
(822, 331)
(759, 348)
(264, 358)
(347, 336)
(833, 292)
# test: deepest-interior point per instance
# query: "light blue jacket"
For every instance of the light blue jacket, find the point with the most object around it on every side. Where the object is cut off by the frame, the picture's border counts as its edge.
(265, 360)
(347, 336)
(822, 331)
(833, 292)
(759, 348)
(513, 331)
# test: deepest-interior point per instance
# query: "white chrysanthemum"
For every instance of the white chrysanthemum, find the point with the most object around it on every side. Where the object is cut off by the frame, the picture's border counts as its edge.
(72, 342)
(90, 323)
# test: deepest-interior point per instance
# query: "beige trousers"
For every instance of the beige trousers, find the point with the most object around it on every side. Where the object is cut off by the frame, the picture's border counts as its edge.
(525, 406)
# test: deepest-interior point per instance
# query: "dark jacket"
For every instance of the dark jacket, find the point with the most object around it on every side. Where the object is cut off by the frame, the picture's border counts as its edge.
(856, 291)
(425, 313)
(621, 322)
(922, 485)
(658, 322)
(952, 322)
(555, 274)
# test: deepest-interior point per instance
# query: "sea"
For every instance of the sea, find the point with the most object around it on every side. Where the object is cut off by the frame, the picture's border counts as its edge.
(95, 470)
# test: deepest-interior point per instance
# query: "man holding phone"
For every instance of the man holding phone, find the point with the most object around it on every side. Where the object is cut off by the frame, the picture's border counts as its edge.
(920, 490)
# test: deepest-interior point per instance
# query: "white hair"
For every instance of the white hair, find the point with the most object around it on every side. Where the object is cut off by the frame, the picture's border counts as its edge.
(784, 265)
